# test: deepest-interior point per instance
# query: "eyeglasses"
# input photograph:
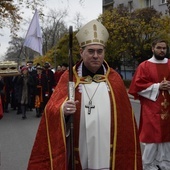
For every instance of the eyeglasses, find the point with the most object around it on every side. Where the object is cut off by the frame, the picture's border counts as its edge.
(92, 51)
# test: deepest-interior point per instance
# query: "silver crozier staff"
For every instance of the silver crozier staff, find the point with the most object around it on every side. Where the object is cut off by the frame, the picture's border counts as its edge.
(71, 92)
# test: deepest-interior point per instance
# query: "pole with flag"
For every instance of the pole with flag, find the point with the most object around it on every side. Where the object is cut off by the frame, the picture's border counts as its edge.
(33, 39)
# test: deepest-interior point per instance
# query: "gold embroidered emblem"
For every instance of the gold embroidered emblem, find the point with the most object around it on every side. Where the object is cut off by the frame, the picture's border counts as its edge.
(165, 111)
(97, 78)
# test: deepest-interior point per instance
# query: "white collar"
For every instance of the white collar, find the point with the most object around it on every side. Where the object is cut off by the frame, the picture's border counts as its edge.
(79, 70)
(154, 60)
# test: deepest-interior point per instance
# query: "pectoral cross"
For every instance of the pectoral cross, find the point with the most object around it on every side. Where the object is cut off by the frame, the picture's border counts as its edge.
(89, 106)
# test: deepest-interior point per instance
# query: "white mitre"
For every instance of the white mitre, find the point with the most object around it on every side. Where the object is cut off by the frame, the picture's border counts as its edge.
(92, 33)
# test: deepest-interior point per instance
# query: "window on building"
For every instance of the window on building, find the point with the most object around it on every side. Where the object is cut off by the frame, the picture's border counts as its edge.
(108, 1)
(163, 1)
(130, 6)
(121, 5)
(148, 3)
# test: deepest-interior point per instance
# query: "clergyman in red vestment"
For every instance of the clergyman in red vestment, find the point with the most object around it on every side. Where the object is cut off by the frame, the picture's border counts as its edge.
(151, 85)
(105, 131)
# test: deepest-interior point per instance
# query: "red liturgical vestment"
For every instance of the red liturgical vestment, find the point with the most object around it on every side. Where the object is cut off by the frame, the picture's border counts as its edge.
(49, 151)
(155, 115)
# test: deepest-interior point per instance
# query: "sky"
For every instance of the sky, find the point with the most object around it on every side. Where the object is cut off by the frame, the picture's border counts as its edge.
(89, 9)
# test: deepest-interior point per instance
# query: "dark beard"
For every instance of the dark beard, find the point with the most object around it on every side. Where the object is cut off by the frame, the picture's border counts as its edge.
(158, 57)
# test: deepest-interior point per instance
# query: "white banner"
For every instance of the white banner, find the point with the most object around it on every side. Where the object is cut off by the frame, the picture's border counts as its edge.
(33, 38)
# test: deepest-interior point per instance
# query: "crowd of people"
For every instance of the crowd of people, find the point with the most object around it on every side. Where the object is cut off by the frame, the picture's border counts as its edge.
(31, 89)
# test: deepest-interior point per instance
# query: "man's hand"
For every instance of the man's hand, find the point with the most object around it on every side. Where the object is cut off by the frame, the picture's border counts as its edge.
(164, 85)
(69, 107)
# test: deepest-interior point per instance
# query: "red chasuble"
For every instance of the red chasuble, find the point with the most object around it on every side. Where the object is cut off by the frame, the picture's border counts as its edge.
(155, 115)
(49, 150)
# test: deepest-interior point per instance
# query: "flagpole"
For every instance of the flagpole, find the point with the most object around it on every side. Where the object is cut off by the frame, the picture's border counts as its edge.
(21, 50)
(20, 55)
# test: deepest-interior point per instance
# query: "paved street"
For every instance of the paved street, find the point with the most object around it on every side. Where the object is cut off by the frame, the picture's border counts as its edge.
(16, 140)
(17, 137)
(136, 109)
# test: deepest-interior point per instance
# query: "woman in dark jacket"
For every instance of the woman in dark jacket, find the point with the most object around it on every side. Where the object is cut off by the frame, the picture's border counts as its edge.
(25, 84)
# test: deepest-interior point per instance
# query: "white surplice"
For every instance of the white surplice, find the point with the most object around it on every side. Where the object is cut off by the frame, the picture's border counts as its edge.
(94, 137)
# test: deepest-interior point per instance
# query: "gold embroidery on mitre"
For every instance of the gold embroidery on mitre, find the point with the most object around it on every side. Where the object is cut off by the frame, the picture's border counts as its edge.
(83, 44)
(102, 32)
(101, 41)
(95, 35)
(93, 32)
(88, 41)
(86, 32)
(95, 27)
(95, 40)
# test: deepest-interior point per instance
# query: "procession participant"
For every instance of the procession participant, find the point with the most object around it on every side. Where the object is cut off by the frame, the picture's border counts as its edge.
(40, 91)
(24, 85)
(151, 85)
(50, 81)
(32, 71)
(105, 131)
(59, 72)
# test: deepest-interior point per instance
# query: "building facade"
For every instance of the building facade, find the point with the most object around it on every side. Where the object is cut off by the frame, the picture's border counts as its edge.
(159, 5)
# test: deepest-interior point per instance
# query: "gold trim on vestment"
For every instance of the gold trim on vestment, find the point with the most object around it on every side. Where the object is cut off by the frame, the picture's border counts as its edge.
(48, 135)
(63, 127)
(115, 132)
(115, 125)
(133, 120)
(114, 144)
(48, 138)
(115, 110)
(164, 106)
